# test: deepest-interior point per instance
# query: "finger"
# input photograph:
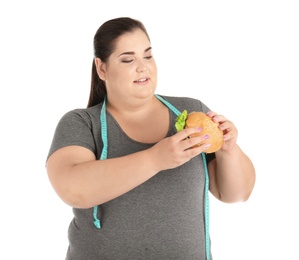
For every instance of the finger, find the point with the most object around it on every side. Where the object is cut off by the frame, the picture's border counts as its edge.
(185, 133)
(226, 126)
(228, 136)
(197, 149)
(219, 118)
(230, 133)
(211, 114)
(193, 142)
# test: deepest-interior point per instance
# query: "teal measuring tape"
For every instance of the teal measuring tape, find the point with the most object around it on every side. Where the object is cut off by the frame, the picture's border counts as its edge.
(103, 121)
(207, 204)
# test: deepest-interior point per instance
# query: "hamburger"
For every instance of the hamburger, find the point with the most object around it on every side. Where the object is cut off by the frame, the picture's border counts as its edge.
(209, 127)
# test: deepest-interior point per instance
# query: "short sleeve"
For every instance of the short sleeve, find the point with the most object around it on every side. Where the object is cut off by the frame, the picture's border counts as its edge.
(74, 128)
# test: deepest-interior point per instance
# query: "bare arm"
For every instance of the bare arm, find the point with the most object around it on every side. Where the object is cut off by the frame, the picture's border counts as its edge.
(82, 181)
(232, 174)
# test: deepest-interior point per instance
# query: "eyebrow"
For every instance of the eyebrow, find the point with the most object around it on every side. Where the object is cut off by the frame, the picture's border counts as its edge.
(132, 52)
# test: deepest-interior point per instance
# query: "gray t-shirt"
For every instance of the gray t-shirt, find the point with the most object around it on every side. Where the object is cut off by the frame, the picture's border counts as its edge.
(161, 219)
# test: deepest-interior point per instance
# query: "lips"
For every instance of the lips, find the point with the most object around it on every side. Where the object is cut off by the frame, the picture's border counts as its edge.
(142, 80)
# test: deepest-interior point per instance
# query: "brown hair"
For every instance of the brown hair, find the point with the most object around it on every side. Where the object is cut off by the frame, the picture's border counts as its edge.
(104, 44)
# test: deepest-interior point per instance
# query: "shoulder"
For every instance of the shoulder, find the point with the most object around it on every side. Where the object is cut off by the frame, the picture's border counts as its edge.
(77, 127)
(86, 115)
(186, 103)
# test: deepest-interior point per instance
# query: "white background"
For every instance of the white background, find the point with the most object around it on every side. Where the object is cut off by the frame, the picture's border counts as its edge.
(241, 58)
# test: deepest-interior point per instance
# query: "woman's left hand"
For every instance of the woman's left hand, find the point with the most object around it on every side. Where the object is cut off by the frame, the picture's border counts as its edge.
(229, 130)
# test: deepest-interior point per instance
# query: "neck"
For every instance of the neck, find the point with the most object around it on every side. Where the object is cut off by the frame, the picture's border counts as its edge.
(131, 107)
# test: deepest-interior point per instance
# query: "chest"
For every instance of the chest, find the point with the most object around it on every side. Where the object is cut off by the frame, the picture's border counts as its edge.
(123, 141)
(148, 130)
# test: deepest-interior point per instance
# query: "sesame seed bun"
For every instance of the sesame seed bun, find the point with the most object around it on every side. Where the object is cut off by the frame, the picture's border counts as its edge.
(209, 127)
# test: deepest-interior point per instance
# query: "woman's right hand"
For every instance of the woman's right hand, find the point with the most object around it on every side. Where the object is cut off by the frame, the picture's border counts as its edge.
(178, 149)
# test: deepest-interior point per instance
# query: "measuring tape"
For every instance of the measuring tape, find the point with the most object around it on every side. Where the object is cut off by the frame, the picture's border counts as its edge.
(207, 204)
(103, 121)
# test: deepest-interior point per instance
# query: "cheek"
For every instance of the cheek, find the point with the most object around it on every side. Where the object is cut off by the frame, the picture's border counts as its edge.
(122, 79)
(153, 70)
(117, 75)
(152, 66)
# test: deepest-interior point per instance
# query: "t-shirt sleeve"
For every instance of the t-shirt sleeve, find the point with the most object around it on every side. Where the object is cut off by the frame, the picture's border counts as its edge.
(74, 128)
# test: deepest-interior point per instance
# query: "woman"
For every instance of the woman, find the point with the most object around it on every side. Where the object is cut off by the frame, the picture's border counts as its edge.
(136, 187)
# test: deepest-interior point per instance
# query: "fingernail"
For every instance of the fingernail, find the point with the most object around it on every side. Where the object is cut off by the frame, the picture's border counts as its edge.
(199, 129)
(206, 137)
(207, 145)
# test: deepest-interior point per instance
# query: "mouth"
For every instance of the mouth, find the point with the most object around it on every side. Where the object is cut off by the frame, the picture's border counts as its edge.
(142, 80)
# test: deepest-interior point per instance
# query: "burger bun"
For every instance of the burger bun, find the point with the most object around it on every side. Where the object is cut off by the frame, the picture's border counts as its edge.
(209, 127)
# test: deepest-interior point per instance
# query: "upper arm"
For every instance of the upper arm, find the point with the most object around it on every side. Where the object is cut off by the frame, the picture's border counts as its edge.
(60, 164)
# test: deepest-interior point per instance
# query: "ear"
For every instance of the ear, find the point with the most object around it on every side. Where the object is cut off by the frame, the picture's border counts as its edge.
(101, 68)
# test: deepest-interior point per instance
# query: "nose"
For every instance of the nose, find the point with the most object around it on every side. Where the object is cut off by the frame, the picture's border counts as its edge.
(141, 67)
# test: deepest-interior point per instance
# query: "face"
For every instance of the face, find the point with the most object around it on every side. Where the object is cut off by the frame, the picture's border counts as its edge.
(130, 71)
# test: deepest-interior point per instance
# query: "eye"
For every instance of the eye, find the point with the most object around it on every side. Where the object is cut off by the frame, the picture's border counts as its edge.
(148, 57)
(127, 61)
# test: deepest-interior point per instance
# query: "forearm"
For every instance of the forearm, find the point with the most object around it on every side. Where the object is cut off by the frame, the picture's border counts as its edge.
(82, 181)
(90, 183)
(235, 175)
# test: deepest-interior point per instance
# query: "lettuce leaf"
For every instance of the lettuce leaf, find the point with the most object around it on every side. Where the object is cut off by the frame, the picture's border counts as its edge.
(181, 121)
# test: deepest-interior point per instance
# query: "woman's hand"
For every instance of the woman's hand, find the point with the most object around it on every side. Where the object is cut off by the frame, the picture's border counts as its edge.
(229, 130)
(232, 174)
(176, 150)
